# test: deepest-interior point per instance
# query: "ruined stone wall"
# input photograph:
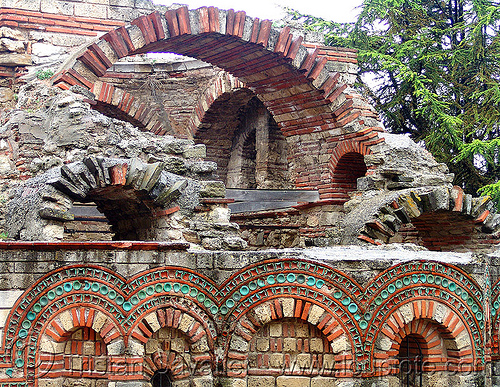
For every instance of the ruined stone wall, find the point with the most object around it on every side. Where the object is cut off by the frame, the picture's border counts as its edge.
(37, 35)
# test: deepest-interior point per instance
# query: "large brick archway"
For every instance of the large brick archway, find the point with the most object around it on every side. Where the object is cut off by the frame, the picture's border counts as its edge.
(307, 97)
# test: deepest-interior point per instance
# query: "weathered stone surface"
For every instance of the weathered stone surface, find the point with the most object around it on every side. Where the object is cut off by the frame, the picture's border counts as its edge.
(55, 214)
(15, 60)
(260, 381)
(11, 45)
(292, 381)
(213, 189)
(6, 94)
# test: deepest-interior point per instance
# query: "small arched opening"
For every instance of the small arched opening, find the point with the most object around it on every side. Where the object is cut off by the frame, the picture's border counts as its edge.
(161, 378)
(411, 360)
(349, 168)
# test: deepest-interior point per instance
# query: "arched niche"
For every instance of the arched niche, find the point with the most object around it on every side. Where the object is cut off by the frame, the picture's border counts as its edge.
(245, 141)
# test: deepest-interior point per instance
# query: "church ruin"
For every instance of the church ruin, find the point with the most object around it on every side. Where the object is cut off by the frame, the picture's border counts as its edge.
(235, 215)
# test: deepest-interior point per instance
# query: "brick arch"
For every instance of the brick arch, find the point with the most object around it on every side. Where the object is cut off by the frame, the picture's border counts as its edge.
(118, 103)
(224, 83)
(189, 323)
(191, 326)
(448, 344)
(304, 94)
(433, 218)
(346, 165)
(284, 61)
(114, 184)
(99, 329)
(274, 310)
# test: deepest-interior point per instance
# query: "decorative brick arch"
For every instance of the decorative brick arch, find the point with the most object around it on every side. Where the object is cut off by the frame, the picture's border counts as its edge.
(305, 291)
(444, 335)
(277, 309)
(431, 299)
(418, 215)
(95, 298)
(100, 330)
(291, 79)
(191, 326)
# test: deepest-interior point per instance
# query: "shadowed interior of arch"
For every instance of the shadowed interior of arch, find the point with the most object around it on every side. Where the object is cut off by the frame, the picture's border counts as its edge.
(161, 378)
(440, 231)
(245, 141)
(349, 168)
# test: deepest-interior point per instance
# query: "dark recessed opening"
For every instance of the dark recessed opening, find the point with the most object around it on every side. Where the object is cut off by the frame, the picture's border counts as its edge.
(161, 378)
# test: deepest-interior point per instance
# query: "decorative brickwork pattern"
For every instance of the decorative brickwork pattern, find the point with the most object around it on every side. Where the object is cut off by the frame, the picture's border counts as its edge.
(84, 356)
(290, 347)
(264, 312)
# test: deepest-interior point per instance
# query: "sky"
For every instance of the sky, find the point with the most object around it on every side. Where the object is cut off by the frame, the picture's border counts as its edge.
(336, 10)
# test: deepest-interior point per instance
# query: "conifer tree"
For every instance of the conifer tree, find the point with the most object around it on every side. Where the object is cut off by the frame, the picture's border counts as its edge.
(434, 71)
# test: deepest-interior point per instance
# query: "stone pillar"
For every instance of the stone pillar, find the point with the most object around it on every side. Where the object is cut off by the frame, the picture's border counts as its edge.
(262, 147)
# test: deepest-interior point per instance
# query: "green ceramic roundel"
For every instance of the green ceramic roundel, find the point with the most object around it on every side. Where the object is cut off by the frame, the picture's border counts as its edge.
(353, 308)
(244, 290)
(271, 280)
